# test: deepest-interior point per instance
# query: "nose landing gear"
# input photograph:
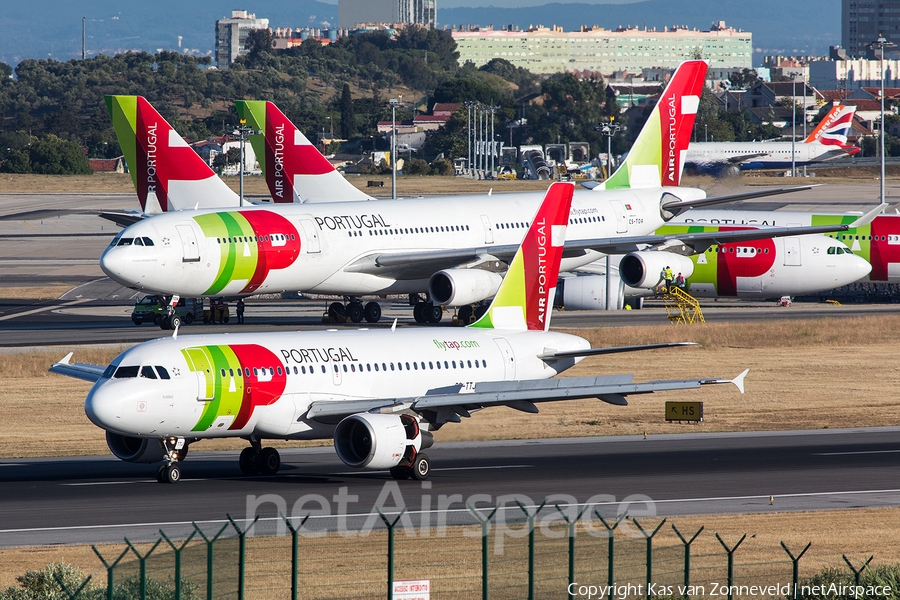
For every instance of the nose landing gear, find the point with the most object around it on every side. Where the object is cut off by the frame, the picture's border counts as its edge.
(176, 450)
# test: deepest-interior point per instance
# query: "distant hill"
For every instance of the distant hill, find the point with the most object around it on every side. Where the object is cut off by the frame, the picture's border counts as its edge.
(52, 29)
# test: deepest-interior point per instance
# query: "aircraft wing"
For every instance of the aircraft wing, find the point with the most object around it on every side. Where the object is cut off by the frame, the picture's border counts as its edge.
(423, 264)
(84, 371)
(447, 405)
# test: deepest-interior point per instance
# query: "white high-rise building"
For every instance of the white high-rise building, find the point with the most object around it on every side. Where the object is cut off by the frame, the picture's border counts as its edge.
(420, 12)
(231, 35)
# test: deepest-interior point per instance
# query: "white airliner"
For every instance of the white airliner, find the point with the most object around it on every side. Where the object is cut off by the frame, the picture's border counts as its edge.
(827, 142)
(456, 248)
(378, 394)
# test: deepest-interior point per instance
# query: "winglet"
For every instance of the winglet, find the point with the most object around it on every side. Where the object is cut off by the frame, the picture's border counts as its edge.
(394, 325)
(525, 298)
(657, 155)
(66, 360)
(739, 381)
(868, 217)
(175, 333)
(167, 174)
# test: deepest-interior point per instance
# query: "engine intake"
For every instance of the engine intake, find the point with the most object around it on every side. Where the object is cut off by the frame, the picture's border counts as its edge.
(458, 287)
(133, 449)
(643, 269)
(376, 441)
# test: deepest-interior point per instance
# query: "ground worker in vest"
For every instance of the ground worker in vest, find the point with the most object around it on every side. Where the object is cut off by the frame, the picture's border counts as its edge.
(669, 277)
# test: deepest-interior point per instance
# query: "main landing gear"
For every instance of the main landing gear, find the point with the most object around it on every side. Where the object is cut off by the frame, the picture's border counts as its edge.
(419, 470)
(354, 312)
(256, 460)
(425, 312)
(176, 450)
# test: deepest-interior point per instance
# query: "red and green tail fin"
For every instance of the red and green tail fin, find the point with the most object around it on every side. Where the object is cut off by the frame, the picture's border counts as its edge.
(525, 298)
(295, 170)
(166, 172)
(657, 156)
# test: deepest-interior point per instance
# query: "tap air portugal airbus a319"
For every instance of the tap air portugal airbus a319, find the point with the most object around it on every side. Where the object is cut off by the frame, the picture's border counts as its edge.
(379, 394)
(456, 247)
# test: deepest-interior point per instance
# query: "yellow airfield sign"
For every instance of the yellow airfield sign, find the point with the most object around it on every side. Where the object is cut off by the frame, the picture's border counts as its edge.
(684, 411)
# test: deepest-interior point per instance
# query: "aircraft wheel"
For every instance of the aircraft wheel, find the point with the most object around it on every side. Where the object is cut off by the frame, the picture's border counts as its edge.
(433, 313)
(188, 318)
(354, 312)
(172, 473)
(421, 467)
(464, 315)
(401, 473)
(373, 312)
(247, 462)
(419, 312)
(161, 473)
(336, 311)
(268, 461)
(157, 320)
(174, 322)
(164, 323)
(480, 310)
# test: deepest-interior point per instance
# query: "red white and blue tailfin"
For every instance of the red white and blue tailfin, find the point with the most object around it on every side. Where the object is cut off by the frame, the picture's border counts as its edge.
(834, 128)
(525, 298)
(295, 170)
(166, 172)
(656, 158)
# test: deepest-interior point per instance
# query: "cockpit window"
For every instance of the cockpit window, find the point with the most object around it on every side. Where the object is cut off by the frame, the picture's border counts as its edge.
(108, 372)
(126, 372)
(125, 241)
(138, 241)
(115, 240)
(163, 374)
(147, 241)
(148, 372)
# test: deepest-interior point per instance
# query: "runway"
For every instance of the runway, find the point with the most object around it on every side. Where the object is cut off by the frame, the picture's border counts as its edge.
(100, 499)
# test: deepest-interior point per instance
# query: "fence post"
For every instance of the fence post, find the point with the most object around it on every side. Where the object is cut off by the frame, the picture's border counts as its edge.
(649, 551)
(142, 561)
(70, 595)
(857, 573)
(610, 552)
(294, 559)
(687, 559)
(485, 525)
(730, 552)
(177, 551)
(572, 525)
(796, 572)
(390, 567)
(209, 557)
(531, 517)
(109, 570)
(242, 552)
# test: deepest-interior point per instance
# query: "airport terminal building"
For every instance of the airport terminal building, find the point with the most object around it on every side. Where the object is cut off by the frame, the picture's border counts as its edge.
(551, 50)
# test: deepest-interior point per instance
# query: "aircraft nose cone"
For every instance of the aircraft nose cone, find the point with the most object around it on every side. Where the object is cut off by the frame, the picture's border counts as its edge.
(103, 407)
(858, 268)
(113, 264)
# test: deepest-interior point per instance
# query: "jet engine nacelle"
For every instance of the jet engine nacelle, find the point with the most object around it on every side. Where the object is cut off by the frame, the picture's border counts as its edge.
(134, 449)
(643, 269)
(376, 441)
(458, 287)
(588, 292)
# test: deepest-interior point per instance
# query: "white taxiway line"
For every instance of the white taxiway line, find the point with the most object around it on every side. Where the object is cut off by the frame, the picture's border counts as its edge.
(860, 452)
(44, 309)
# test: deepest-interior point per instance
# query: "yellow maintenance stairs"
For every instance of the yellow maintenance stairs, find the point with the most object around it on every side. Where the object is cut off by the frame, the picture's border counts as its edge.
(681, 307)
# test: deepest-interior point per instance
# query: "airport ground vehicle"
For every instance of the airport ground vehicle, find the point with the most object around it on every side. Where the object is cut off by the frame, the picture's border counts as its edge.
(152, 309)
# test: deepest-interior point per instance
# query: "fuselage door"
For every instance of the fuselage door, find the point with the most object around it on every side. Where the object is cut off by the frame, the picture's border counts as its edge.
(621, 216)
(488, 230)
(311, 234)
(791, 251)
(509, 358)
(188, 243)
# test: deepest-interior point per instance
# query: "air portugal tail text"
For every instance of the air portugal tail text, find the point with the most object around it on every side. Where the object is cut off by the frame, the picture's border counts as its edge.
(525, 297)
(657, 155)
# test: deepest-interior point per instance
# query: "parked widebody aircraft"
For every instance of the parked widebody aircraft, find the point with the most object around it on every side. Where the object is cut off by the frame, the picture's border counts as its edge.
(456, 248)
(379, 394)
(827, 142)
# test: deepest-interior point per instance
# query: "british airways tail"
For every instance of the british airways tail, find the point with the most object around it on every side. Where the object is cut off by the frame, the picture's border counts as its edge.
(833, 129)
(167, 174)
(295, 170)
(657, 156)
(525, 297)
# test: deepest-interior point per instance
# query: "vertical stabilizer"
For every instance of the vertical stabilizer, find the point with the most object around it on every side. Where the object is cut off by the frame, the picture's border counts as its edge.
(295, 170)
(657, 156)
(525, 297)
(833, 129)
(167, 174)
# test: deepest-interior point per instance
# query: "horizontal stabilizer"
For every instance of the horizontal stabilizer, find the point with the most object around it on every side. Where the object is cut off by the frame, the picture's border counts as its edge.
(553, 355)
(123, 219)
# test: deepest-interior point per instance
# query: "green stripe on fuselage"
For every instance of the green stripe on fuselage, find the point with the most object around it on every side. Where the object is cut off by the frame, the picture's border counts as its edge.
(233, 265)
